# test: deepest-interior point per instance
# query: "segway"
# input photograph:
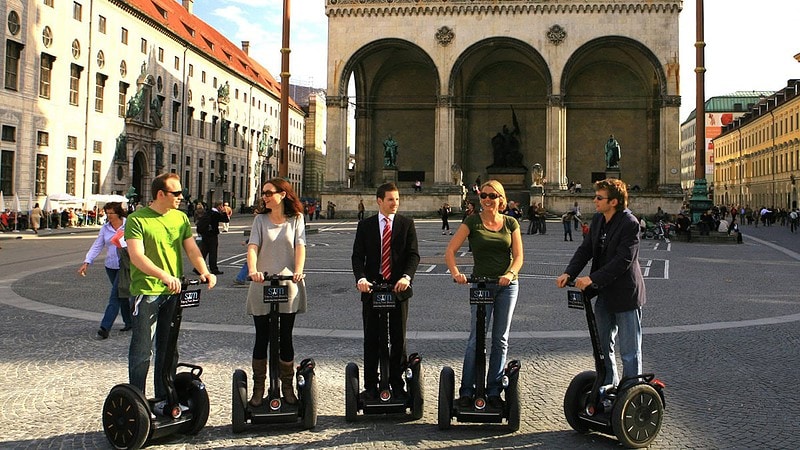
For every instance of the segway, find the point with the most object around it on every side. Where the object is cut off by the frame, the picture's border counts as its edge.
(130, 420)
(274, 409)
(480, 411)
(632, 411)
(388, 402)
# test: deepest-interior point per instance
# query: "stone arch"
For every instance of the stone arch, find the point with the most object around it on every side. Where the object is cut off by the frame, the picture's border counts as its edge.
(614, 85)
(486, 80)
(396, 90)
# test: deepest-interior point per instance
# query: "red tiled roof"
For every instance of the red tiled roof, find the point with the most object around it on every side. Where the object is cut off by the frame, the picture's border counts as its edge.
(173, 16)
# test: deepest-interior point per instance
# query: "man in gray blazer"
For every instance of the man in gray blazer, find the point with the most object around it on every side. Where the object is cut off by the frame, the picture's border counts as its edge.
(615, 277)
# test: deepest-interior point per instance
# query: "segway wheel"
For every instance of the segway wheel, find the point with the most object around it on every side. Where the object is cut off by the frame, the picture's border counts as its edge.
(308, 397)
(192, 393)
(417, 391)
(447, 381)
(238, 400)
(637, 415)
(512, 401)
(126, 417)
(576, 397)
(351, 392)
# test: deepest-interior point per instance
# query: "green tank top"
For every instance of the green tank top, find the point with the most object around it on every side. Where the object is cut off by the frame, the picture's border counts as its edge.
(491, 250)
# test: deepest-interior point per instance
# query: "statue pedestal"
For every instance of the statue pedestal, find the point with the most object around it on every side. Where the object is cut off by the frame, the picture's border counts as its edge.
(612, 172)
(390, 175)
(537, 194)
(509, 177)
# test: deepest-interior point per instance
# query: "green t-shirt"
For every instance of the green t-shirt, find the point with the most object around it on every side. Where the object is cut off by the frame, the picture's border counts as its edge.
(491, 250)
(162, 236)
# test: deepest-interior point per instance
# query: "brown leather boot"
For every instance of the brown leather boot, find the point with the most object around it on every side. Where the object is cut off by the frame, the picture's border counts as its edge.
(259, 378)
(287, 382)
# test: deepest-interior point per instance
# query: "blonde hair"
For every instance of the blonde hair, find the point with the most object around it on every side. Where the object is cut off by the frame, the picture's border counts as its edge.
(494, 184)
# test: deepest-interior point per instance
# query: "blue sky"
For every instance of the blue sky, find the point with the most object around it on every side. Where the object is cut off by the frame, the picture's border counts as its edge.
(749, 45)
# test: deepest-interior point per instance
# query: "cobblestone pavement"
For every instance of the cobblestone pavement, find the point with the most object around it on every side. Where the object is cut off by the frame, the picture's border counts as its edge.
(721, 331)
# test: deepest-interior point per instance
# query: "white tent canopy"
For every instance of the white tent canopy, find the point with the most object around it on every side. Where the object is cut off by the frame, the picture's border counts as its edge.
(108, 198)
(65, 198)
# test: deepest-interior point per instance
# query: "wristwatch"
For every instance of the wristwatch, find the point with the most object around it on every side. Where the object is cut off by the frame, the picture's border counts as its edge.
(511, 271)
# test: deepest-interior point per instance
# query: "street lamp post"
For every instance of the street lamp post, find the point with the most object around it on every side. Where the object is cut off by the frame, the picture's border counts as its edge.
(283, 160)
(699, 201)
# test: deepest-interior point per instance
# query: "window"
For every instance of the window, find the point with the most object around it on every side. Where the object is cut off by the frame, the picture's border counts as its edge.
(47, 37)
(123, 92)
(45, 74)
(176, 113)
(160, 54)
(203, 76)
(201, 127)
(177, 63)
(97, 146)
(41, 175)
(76, 49)
(13, 52)
(48, 3)
(214, 128)
(77, 11)
(123, 68)
(95, 177)
(191, 70)
(201, 162)
(6, 171)
(74, 83)
(70, 180)
(189, 120)
(42, 138)
(143, 46)
(99, 91)
(101, 24)
(123, 36)
(72, 142)
(214, 83)
(101, 59)
(9, 133)
(13, 23)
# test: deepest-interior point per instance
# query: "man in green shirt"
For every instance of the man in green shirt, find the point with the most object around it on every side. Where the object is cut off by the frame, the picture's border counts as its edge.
(155, 235)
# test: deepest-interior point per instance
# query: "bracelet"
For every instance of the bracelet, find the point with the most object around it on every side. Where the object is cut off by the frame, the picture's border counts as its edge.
(511, 271)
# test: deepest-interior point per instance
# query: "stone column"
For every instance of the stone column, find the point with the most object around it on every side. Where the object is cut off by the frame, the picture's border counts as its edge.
(363, 147)
(336, 157)
(556, 164)
(445, 141)
(669, 171)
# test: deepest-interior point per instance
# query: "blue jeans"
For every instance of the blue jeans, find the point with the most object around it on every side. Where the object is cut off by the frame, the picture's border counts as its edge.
(505, 299)
(628, 325)
(116, 304)
(242, 275)
(152, 320)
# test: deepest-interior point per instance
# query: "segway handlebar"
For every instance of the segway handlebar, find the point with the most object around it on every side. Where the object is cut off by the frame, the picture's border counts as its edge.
(275, 276)
(185, 283)
(475, 279)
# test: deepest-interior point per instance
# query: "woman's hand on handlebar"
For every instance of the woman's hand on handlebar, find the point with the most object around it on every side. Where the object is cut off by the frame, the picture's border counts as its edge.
(562, 280)
(258, 277)
(505, 279)
(296, 277)
(460, 278)
(210, 279)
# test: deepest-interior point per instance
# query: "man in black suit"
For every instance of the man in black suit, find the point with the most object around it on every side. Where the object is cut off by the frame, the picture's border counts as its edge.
(615, 277)
(208, 229)
(398, 269)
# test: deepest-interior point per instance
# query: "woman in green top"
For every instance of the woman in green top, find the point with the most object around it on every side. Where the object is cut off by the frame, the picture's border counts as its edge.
(497, 253)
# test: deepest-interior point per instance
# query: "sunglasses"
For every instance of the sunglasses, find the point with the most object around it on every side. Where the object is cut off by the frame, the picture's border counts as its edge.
(491, 195)
(174, 193)
(269, 193)
(600, 197)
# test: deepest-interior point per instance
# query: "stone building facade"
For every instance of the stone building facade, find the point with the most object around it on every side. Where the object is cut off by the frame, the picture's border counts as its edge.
(103, 95)
(757, 156)
(444, 78)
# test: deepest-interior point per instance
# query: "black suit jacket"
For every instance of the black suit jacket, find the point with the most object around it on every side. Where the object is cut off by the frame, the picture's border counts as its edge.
(366, 257)
(615, 270)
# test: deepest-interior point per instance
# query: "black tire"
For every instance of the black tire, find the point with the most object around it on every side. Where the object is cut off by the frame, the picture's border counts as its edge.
(308, 397)
(238, 400)
(192, 393)
(512, 402)
(576, 397)
(637, 415)
(417, 391)
(126, 417)
(447, 381)
(351, 392)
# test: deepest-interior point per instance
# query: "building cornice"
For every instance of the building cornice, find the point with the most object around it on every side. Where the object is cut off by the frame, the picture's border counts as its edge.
(493, 7)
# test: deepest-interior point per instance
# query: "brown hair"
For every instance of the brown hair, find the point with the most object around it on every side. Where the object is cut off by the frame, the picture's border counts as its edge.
(160, 183)
(384, 188)
(291, 204)
(116, 208)
(616, 190)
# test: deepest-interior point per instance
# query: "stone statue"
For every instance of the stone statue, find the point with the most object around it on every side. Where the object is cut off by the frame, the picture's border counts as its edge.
(456, 174)
(155, 112)
(135, 105)
(537, 174)
(505, 146)
(224, 93)
(612, 153)
(223, 131)
(389, 152)
(159, 147)
(121, 150)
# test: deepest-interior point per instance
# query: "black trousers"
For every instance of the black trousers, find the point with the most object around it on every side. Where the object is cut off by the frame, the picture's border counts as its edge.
(209, 249)
(374, 324)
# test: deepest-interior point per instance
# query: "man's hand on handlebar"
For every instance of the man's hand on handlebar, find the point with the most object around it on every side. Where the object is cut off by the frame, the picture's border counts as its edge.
(172, 283)
(401, 285)
(581, 282)
(210, 279)
(364, 286)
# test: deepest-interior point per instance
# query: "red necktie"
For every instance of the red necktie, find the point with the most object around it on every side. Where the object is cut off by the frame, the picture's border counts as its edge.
(386, 250)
